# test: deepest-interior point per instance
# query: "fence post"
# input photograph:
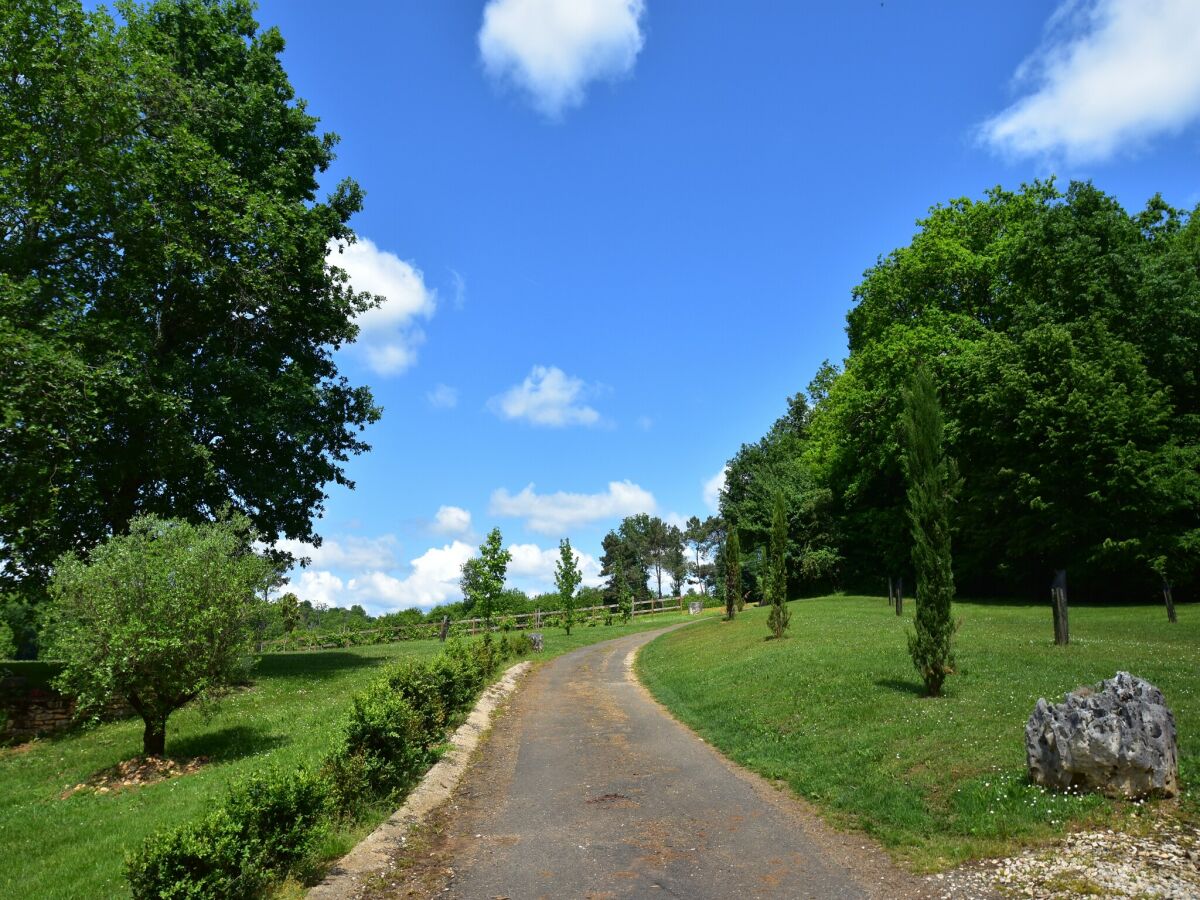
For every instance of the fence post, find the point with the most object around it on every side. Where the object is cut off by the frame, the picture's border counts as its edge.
(1058, 596)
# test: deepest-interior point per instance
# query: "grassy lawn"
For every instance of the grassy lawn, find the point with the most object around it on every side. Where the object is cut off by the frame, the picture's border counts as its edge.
(75, 847)
(834, 710)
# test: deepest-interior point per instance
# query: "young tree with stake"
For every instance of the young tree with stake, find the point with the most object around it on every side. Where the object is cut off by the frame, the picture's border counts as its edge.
(567, 578)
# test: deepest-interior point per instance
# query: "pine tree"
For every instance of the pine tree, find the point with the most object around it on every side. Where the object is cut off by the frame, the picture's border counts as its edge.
(733, 572)
(932, 480)
(776, 574)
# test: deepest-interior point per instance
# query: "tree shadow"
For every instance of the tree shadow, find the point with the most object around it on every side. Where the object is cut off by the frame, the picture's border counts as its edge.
(900, 685)
(225, 744)
(321, 662)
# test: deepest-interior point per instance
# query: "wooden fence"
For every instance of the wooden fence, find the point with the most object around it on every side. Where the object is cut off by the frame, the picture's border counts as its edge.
(531, 621)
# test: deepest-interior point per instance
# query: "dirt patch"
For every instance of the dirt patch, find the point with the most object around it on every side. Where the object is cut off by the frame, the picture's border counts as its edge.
(135, 773)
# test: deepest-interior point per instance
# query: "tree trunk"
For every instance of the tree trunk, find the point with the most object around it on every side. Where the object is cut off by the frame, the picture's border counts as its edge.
(154, 737)
(1062, 630)
(891, 593)
(1169, 598)
(899, 596)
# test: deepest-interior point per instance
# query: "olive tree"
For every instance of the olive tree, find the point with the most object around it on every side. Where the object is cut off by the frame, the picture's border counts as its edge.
(159, 617)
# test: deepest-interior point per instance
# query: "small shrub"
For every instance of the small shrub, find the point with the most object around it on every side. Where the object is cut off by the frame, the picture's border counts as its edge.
(417, 683)
(348, 783)
(267, 825)
(387, 732)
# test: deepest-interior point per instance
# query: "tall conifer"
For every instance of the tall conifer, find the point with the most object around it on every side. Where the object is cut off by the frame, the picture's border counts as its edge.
(932, 480)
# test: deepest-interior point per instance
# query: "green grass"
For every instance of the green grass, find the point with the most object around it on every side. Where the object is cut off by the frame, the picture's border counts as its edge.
(835, 711)
(51, 847)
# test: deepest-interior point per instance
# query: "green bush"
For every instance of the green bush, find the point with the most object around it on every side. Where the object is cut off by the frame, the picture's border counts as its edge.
(417, 683)
(268, 824)
(387, 732)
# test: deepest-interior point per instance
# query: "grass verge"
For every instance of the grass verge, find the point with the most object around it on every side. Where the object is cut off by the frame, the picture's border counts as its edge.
(75, 847)
(835, 711)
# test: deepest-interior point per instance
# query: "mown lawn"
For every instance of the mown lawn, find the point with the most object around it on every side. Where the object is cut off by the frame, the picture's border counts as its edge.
(835, 711)
(290, 716)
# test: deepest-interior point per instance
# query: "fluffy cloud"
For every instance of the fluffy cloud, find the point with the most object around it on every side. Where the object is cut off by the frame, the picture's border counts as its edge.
(552, 49)
(1110, 73)
(346, 553)
(443, 397)
(388, 337)
(433, 580)
(318, 587)
(547, 396)
(713, 488)
(452, 520)
(535, 566)
(558, 513)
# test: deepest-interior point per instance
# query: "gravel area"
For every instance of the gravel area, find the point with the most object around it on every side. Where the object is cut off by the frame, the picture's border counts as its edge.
(1162, 863)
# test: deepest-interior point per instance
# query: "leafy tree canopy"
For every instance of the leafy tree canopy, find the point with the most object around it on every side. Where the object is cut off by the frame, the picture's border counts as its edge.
(160, 616)
(168, 313)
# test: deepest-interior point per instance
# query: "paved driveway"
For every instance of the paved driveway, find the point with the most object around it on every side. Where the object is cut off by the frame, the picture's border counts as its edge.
(587, 788)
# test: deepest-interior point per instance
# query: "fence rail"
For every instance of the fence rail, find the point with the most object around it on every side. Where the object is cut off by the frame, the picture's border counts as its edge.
(388, 634)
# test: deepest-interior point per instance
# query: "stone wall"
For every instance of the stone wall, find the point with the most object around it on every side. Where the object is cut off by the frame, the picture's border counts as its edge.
(37, 711)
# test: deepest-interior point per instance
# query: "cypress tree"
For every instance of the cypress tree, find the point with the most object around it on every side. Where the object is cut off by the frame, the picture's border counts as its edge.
(776, 580)
(932, 480)
(733, 571)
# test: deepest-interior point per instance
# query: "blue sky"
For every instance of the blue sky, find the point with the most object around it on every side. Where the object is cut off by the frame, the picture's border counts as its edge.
(614, 235)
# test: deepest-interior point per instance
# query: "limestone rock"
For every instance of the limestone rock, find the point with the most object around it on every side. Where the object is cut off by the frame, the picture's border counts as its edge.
(1117, 738)
(536, 639)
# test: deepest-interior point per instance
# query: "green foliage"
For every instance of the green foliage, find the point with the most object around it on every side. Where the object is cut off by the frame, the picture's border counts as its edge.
(1060, 332)
(776, 570)
(566, 578)
(386, 732)
(160, 616)
(931, 481)
(8, 646)
(289, 612)
(267, 825)
(168, 319)
(624, 601)
(483, 577)
(732, 558)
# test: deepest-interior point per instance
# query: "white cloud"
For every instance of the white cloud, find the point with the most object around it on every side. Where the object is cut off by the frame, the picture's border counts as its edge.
(443, 397)
(534, 566)
(558, 513)
(433, 580)
(552, 49)
(547, 396)
(346, 553)
(713, 488)
(1109, 75)
(452, 520)
(388, 337)
(645, 423)
(317, 587)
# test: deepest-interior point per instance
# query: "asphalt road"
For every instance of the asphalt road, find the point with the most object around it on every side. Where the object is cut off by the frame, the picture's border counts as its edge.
(587, 788)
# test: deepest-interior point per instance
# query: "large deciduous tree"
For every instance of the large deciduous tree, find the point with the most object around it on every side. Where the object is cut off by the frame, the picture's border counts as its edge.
(160, 616)
(168, 307)
(930, 484)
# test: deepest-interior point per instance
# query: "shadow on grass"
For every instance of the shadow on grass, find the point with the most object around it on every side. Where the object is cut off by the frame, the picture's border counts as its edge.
(901, 686)
(225, 744)
(284, 665)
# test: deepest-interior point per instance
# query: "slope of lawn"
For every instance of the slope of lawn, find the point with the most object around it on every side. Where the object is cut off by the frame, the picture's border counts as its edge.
(835, 711)
(290, 716)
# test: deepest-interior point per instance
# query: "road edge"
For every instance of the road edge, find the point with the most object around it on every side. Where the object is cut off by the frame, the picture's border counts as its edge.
(373, 854)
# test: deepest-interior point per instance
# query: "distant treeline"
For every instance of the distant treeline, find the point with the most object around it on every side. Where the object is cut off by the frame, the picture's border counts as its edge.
(1063, 334)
